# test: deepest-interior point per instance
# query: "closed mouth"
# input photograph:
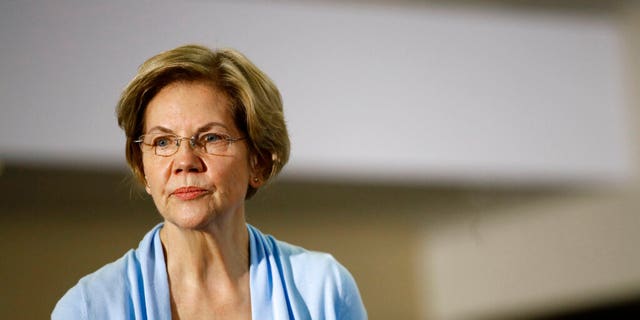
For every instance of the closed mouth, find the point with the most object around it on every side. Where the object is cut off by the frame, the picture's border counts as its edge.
(189, 193)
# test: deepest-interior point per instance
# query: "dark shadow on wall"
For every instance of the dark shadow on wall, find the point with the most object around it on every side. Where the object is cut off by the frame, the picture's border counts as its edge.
(61, 224)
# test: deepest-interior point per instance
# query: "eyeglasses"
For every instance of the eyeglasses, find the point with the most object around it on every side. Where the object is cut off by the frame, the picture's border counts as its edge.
(166, 145)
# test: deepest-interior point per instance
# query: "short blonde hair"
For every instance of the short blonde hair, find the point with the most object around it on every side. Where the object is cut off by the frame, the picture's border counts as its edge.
(256, 105)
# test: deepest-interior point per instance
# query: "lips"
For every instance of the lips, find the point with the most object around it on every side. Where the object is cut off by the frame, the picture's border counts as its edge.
(189, 193)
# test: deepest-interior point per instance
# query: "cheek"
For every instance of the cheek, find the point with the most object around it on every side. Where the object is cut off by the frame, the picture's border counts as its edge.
(154, 172)
(146, 169)
(236, 177)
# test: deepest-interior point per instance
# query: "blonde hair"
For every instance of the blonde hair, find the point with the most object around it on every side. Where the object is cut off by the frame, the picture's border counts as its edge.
(256, 105)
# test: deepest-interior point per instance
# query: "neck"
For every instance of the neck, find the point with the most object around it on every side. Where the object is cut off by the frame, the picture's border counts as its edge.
(213, 258)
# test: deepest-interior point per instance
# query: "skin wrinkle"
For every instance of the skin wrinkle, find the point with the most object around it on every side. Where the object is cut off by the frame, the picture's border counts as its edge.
(205, 238)
(204, 128)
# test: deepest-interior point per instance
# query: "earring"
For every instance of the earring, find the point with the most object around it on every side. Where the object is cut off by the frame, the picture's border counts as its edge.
(256, 180)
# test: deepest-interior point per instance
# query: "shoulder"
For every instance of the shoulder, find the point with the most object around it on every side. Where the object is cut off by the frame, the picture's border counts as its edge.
(103, 287)
(304, 263)
(112, 290)
(320, 277)
(324, 285)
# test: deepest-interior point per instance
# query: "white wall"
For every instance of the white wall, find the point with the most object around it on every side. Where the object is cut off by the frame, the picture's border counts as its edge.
(372, 92)
(569, 251)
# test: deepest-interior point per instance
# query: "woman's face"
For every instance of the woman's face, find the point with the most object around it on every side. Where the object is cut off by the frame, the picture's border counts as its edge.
(192, 188)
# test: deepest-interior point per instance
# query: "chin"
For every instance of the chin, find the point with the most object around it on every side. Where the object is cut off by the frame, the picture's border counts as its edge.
(189, 217)
(186, 224)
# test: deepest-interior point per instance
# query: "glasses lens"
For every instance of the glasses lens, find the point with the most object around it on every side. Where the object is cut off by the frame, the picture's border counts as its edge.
(164, 145)
(214, 143)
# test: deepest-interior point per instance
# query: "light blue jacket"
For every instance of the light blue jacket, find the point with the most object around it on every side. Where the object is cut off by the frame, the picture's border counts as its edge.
(286, 282)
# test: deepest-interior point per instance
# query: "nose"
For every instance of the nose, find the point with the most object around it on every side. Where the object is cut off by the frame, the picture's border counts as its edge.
(187, 159)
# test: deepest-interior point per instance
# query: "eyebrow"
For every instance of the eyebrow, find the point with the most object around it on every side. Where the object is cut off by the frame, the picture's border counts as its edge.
(203, 128)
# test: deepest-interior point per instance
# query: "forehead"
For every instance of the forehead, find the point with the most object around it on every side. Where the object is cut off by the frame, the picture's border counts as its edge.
(188, 105)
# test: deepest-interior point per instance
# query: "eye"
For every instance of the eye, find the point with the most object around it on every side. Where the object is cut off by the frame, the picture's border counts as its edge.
(162, 141)
(213, 138)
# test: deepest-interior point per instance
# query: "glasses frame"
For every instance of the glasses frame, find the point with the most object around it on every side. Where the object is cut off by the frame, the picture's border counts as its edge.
(193, 142)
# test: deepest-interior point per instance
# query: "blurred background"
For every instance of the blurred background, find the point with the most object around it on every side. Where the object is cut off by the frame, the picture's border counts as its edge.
(463, 159)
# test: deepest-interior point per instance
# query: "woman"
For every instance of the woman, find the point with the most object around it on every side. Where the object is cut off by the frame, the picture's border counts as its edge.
(205, 130)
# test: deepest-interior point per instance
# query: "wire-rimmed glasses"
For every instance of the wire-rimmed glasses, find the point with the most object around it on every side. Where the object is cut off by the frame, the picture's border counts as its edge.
(166, 145)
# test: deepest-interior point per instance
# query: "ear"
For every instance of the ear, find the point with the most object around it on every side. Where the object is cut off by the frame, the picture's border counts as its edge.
(146, 186)
(256, 182)
(256, 179)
